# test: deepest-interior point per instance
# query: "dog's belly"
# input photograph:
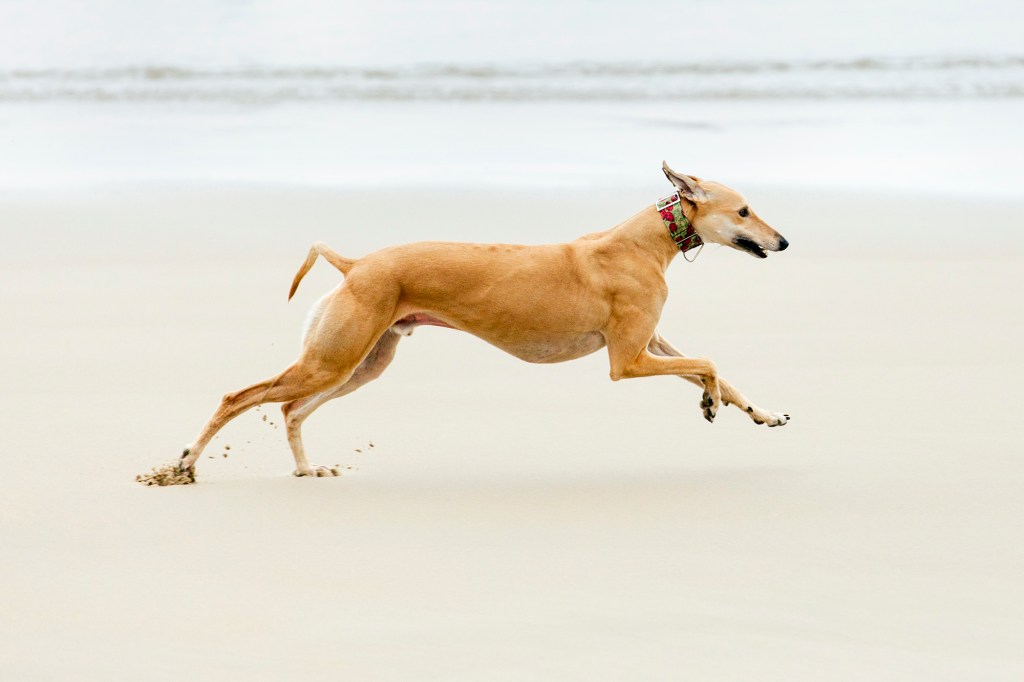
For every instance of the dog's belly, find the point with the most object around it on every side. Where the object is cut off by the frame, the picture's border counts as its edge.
(531, 346)
(554, 348)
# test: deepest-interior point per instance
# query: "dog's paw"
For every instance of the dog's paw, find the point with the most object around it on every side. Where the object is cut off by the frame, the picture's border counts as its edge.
(187, 460)
(317, 471)
(709, 406)
(767, 417)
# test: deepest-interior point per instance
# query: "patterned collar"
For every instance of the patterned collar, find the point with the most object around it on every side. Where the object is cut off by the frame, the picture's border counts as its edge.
(679, 228)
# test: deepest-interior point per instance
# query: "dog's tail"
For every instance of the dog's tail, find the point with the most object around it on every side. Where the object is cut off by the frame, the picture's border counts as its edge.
(330, 255)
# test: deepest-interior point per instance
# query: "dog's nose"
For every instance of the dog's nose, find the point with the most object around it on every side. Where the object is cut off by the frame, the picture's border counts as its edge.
(783, 244)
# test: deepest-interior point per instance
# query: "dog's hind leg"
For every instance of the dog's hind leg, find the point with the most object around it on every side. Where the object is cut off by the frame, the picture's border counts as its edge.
(347, 331)
(296, 411)
(730, 394)
(296, 382)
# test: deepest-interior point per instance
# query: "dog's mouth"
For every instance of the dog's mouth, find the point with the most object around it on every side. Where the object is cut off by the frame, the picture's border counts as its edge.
(751, 247)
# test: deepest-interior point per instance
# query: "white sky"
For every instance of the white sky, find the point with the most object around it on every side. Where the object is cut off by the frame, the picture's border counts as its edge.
(72, 33)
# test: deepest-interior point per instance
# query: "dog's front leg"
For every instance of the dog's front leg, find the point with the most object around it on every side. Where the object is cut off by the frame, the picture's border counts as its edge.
(730, 394)
(630, 358)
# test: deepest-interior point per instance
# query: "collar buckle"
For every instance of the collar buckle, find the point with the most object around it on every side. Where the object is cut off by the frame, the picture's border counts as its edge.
(668, 202)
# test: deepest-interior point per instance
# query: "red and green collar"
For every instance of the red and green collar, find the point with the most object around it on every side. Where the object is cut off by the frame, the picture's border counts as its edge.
(679, 227)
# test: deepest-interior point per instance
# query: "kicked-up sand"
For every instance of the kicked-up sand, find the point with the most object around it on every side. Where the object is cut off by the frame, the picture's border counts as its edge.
(167, 474)
(496, 520)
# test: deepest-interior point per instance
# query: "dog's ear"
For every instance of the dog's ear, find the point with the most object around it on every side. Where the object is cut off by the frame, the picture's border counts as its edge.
(687, 185)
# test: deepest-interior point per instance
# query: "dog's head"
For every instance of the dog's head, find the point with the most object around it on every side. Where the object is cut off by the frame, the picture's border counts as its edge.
(722, 216)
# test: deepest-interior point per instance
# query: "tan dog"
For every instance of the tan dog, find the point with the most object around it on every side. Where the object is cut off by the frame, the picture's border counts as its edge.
(547, 303)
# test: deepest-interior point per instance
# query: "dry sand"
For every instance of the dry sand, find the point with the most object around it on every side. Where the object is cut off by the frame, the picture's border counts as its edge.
(512, 522)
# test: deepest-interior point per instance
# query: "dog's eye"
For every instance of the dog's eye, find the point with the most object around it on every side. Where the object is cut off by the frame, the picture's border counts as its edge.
(744, 212)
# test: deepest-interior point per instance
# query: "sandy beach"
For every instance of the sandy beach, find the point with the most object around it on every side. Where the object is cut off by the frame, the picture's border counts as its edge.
(511, 521)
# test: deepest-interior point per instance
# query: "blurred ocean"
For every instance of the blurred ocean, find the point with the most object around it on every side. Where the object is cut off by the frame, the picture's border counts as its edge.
(888, 95)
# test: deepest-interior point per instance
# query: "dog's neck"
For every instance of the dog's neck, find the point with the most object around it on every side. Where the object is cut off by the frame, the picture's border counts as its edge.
(652, 231)
(647, 231)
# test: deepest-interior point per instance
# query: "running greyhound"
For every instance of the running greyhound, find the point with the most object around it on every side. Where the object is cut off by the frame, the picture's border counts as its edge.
(548, 303)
